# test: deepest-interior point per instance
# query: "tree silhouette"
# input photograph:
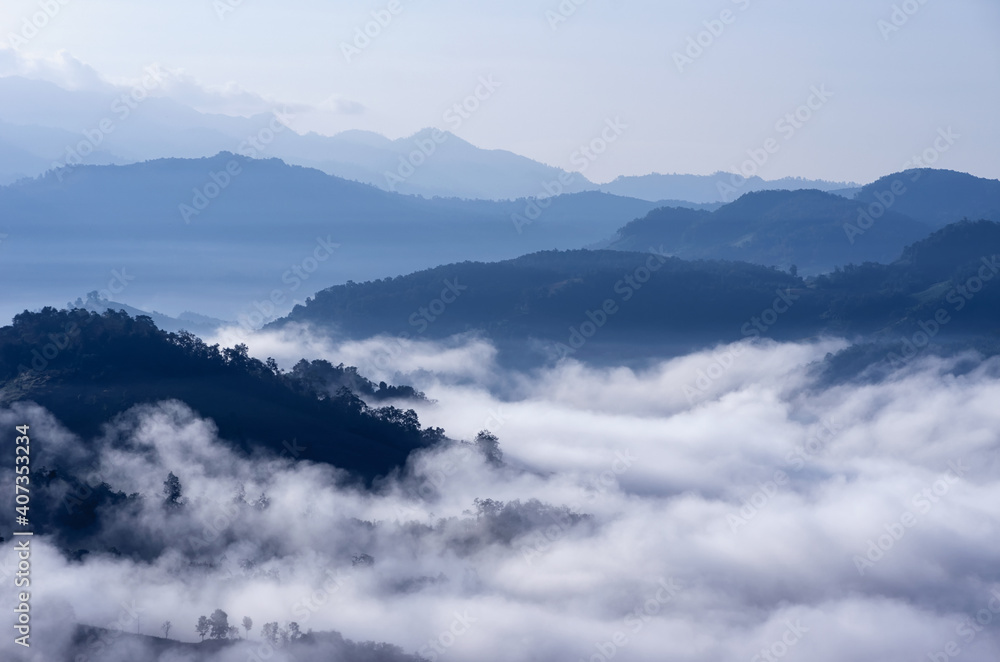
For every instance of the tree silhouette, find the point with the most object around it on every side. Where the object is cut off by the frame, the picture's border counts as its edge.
(487, 507)
(166, 629)
(172, 491)
(488, 444)
(277, 635)
(247, 625)
(219, 622)
(270, 633)
(363, 560)
(202, 627)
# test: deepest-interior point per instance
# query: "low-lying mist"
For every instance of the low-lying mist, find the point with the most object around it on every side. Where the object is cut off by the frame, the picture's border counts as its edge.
(718, 506)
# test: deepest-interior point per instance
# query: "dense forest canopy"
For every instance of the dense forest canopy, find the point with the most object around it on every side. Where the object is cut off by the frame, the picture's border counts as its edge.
(87, 368)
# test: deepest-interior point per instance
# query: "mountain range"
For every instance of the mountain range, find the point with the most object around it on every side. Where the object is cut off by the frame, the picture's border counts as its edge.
(43, 125)
(242, 239)
(218, 235)
(816, 231)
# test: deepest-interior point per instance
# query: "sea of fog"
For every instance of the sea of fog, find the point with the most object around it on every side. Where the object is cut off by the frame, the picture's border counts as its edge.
(764, 518)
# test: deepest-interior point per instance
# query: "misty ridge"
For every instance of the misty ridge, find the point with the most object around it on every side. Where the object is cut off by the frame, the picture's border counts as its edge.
(41, 125)
(406, 333)
(340, 485)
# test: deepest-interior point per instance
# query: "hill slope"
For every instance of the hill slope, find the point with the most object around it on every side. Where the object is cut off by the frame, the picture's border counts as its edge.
(935, 197)
(809, 229)
(588, 303)
(87, 368)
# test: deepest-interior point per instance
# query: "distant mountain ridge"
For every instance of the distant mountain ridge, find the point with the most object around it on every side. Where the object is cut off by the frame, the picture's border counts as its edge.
(817, 231)
(200, 325)
(42, 124)
(934, 197)
(220, 235)
(65, 126)
(721, 187)
(245, 239)
(803, 228)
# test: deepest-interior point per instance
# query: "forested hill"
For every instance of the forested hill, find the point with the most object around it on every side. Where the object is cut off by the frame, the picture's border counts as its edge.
(812, 230)
(935, 197)
(87, 368)
(540, 296)
(607, 298)
(815, 230)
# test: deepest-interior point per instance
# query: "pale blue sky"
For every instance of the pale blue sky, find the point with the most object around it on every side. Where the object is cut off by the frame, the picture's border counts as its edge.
(609, 59)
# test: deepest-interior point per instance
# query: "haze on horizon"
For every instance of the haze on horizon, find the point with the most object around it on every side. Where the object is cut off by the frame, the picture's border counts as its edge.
(893, 74)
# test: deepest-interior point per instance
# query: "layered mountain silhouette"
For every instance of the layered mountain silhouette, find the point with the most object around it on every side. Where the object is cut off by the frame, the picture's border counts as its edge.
(239, 238)
(218, 234)
(42, 124)
(808, 229)
(818, 231)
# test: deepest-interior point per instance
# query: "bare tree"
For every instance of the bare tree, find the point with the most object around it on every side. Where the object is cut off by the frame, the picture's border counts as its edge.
(166, 629)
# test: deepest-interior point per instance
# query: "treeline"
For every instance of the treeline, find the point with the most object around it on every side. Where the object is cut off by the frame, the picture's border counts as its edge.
(541, 295)
(91, 642)
(87, 368)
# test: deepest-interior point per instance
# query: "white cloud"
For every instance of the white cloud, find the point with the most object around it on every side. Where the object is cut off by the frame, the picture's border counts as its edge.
(60, 68)
(230, 98)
